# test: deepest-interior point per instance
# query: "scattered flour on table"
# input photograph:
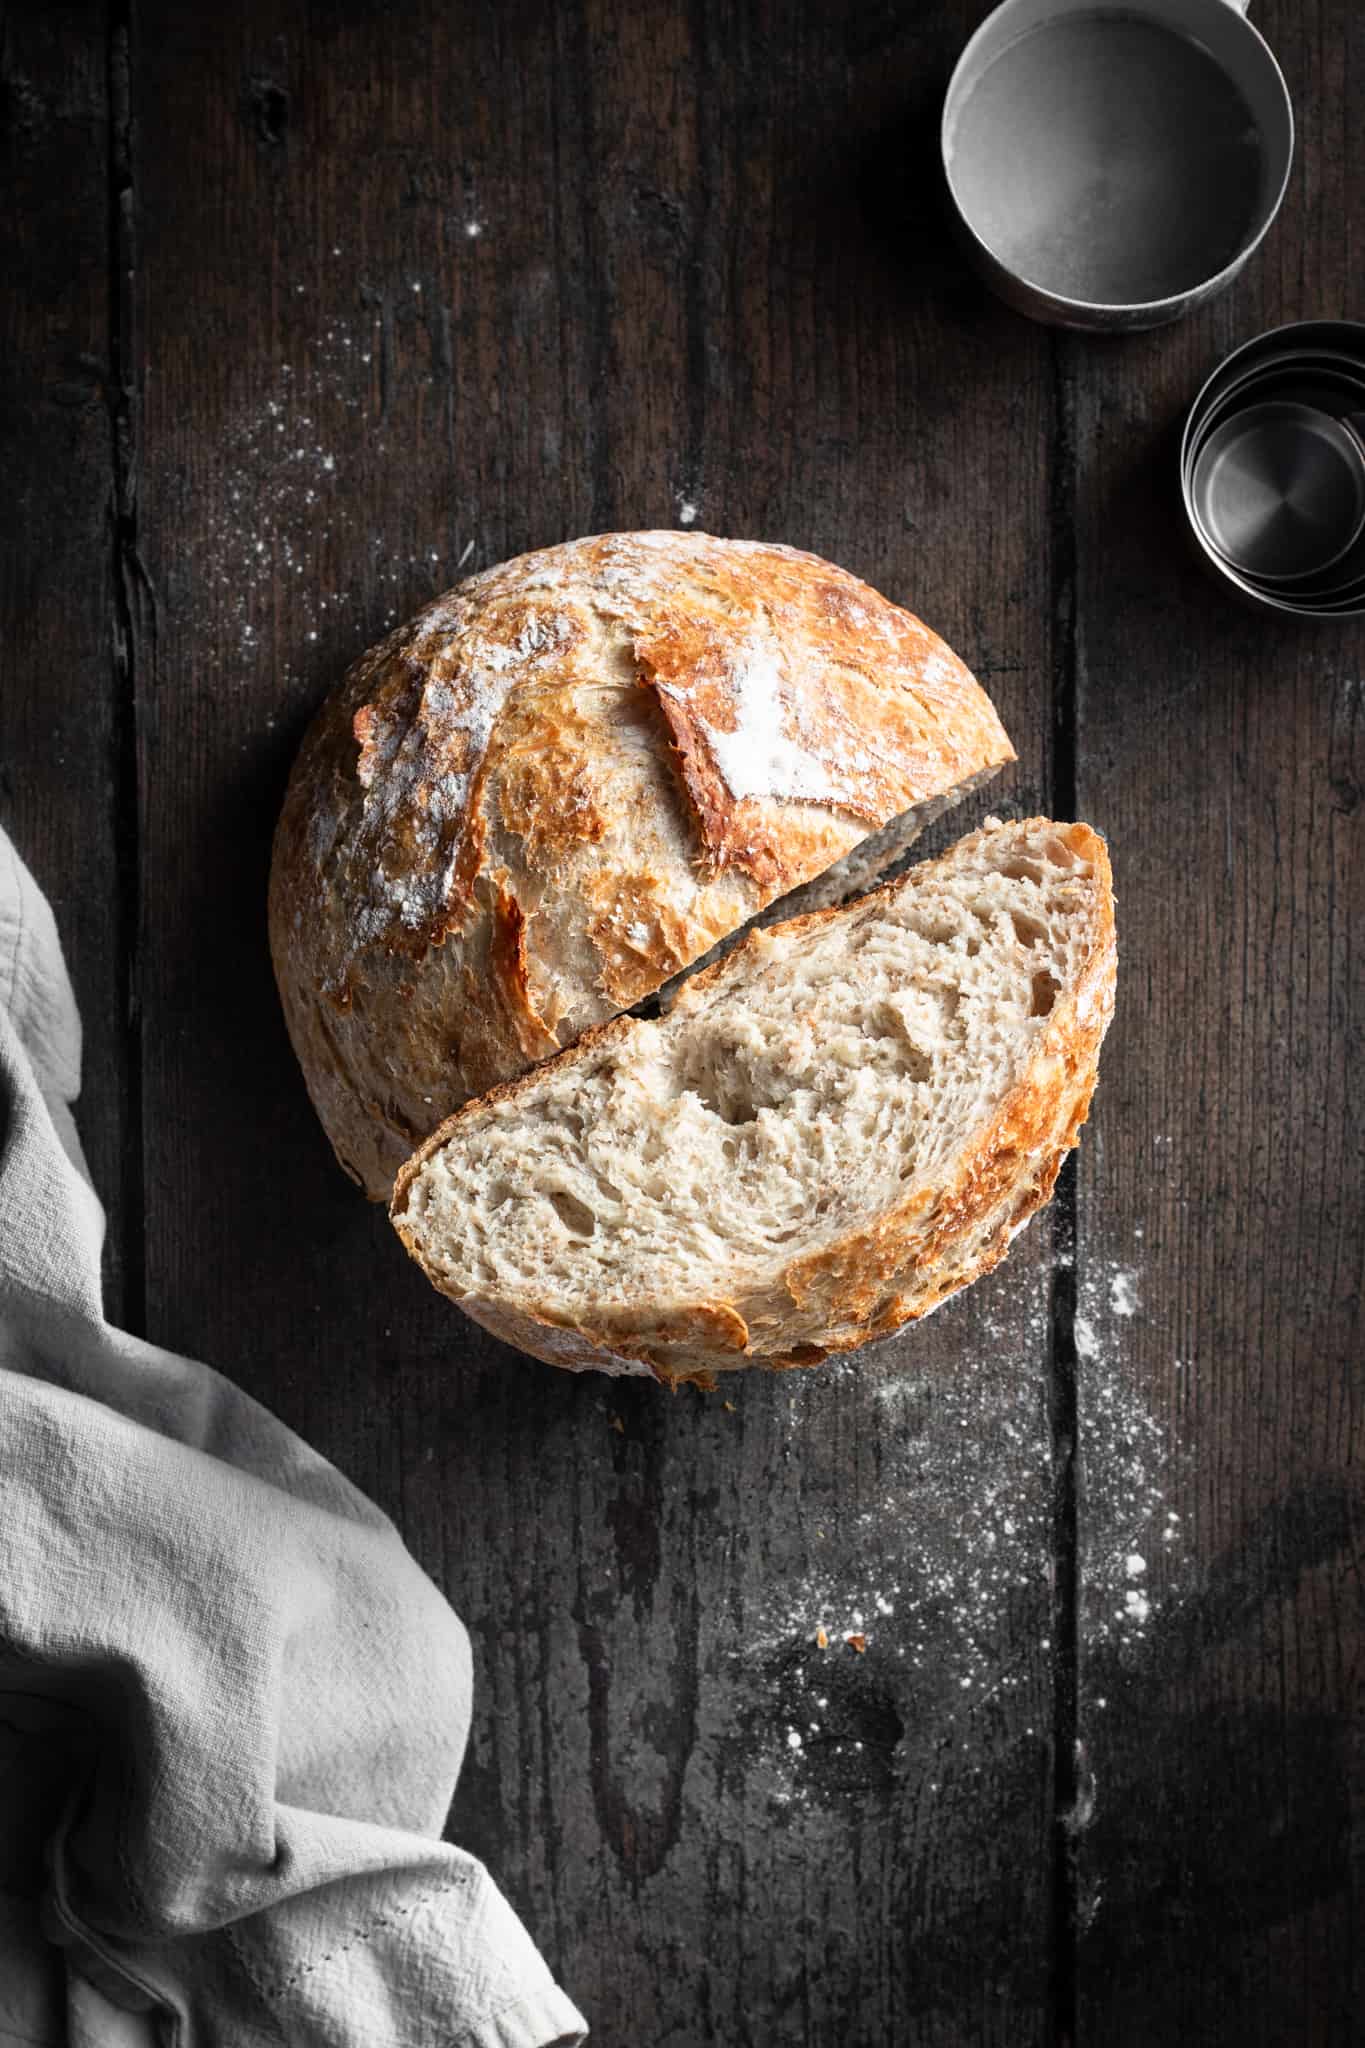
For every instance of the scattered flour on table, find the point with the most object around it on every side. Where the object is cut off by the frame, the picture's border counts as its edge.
(1123, 1299)
(935, 1592)
(275, 495)
(1126, 1454)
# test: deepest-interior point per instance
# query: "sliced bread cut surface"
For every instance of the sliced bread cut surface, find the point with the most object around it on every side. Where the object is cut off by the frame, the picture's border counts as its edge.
(835, 1127)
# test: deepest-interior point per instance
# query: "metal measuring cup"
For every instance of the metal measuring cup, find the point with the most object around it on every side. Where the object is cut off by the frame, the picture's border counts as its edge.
(1272, 468)
(1113, 163)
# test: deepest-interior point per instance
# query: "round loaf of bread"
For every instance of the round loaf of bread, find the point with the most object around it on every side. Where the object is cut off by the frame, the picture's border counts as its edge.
(569, 779)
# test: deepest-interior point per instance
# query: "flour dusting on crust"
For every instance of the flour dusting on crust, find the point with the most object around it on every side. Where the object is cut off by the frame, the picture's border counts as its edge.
(758, 757)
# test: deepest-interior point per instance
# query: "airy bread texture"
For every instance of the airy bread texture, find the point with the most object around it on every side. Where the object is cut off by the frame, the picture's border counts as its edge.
(839, 1124)
(569, 779)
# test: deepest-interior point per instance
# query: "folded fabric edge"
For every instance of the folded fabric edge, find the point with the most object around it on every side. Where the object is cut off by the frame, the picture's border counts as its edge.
(540, 2019)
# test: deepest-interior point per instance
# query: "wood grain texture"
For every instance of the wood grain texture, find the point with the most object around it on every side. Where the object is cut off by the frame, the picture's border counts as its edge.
(688, 298)
(321, 308)
(1218, 1847)
(66, 791)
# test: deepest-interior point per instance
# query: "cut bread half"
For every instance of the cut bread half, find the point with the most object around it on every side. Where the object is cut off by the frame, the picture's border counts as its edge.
(841, 1123)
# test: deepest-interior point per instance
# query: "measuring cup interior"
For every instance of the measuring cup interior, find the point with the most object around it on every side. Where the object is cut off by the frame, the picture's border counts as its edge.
(1113, 155)
(1279, 489)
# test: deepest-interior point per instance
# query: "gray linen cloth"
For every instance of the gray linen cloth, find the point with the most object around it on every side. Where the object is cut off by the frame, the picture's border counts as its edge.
(232, 1709)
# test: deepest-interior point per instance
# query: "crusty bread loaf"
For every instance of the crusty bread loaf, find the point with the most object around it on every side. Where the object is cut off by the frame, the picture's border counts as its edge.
(568, 779)
(839, 1124)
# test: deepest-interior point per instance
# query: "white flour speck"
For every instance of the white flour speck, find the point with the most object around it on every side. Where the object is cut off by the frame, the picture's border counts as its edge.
(1123, 1293)
(939, 667)
(687, 512)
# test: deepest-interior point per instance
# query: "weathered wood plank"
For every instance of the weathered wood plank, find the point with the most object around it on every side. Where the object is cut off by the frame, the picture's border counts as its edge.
(706, 275)
(67, 795)
(1222, 1208)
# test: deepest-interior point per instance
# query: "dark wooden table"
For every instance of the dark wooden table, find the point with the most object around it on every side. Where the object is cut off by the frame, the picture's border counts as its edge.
(310, 308)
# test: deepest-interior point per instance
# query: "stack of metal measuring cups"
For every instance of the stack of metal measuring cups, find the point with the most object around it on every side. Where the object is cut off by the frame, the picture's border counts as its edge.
(1272, 467)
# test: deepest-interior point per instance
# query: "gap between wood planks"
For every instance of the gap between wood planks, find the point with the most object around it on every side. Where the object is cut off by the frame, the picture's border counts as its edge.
(1062, 1403)
(134, 639)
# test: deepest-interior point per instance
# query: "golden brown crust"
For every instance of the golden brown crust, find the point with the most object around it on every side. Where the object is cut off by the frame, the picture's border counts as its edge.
(555, 1343)
(565, 781)
(902, 1264)
(888, 717)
